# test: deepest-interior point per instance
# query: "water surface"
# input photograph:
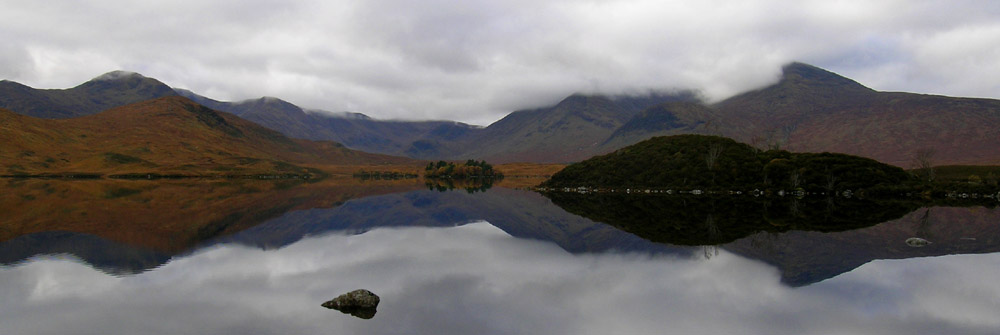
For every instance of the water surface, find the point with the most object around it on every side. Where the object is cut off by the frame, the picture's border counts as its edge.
(496, 262)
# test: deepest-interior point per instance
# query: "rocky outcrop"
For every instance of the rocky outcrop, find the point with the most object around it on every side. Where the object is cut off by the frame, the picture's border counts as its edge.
(360, 303)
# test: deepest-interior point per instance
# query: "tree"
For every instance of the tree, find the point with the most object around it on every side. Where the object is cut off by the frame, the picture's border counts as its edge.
(923, 160)
(714, 151)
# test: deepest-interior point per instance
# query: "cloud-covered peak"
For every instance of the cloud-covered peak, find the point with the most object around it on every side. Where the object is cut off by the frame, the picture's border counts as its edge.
(805, 74)
(117, 75)
(339, 115)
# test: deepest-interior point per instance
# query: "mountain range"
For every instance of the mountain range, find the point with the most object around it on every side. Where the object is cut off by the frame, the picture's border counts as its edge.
(807, 110)
(559, 133)
(168, 135)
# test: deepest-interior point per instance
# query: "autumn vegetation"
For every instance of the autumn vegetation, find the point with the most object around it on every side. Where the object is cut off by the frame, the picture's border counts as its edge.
(470, 169)
(170, 136)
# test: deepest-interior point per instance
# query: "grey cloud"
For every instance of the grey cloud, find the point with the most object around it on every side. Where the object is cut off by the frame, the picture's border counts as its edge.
(476, 60)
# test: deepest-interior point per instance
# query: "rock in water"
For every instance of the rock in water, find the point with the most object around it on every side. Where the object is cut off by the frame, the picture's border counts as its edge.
(917, 242)
(359, 303)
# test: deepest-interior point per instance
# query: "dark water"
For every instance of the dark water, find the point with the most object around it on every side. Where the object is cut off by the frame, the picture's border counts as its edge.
(259, 258)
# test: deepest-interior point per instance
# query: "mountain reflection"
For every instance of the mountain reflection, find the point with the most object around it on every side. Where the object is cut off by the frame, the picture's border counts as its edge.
(127, 227)
(809, 240)
(477, 279)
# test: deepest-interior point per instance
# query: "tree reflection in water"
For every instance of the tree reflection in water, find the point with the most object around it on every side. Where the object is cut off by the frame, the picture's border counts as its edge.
(714, 220)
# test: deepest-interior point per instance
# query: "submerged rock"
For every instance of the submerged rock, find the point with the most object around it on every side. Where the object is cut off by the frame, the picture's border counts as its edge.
(360, 303)
(917, 242)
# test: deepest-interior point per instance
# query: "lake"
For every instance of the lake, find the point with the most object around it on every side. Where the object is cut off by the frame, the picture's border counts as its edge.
(254, 257)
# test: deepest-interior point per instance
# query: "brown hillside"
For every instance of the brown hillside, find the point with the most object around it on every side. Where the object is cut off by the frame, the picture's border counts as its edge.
(814, 110)
(165, 135)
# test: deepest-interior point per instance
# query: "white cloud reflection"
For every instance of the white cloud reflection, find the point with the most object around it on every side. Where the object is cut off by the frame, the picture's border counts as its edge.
(475, 279)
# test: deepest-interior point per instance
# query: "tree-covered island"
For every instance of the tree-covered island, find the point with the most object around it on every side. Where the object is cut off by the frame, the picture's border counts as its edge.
(690, 162)
(470, 169)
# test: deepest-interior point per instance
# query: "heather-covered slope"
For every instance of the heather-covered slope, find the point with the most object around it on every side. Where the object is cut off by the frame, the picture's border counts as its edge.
(813, 110)
(164, 135)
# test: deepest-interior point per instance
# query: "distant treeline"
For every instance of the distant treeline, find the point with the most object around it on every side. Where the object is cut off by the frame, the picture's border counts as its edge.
(470, 169)
(384, 175)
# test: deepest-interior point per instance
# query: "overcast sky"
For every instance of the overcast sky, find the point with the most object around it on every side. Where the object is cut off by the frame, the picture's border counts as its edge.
(475, 60)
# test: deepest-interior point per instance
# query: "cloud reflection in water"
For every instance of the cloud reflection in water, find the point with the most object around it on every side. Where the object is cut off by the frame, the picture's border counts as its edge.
(476, 279)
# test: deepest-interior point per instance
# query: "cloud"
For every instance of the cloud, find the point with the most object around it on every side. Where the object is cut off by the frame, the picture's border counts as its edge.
(477, 60)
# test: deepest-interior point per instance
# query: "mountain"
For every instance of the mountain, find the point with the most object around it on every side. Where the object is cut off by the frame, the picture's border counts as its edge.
(536, 135)
(164, 135)
(355, 130)
(107, 91)
(672, 118)
(814, 110)
(572, 130)
(807, 110)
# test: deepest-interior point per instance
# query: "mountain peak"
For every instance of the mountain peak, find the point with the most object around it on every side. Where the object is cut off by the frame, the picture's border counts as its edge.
(808, 75)
(339, 115)
(116, 81)
(117, 75)
(265, 100)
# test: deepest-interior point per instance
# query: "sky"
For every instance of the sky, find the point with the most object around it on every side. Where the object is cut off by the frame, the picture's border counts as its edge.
(475, 61)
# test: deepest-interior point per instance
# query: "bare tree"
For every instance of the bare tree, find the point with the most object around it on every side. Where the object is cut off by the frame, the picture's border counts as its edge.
(713, 233)
(714, 151)
(831, 182)
(712, 128)
(924, 225)
(924, 163)
(786, 134)
(795, 178)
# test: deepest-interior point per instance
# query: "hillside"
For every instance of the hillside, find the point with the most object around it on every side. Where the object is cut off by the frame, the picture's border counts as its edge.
(572, 130)
(354, 130)
(673, 118)
(814, 110)
(686, 162)
(107, 91)
(165, 135)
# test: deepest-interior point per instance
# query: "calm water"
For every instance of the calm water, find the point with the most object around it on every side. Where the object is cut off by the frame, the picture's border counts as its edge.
(496, 262)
